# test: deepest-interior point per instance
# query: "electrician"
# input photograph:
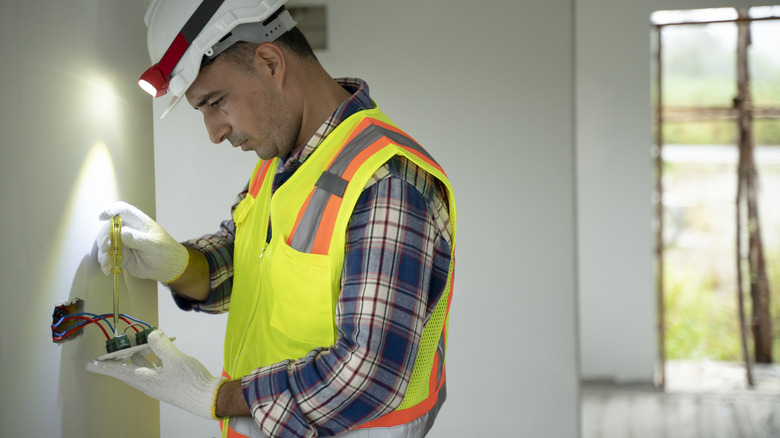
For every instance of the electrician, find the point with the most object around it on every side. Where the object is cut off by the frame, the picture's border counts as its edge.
(336, 267)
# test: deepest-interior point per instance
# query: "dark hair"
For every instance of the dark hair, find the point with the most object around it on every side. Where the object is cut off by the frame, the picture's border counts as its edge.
(293, 39)
(297, 43)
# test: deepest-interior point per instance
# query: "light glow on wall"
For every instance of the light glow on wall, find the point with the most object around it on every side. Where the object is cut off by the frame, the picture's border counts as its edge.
(95, 187)
(66, 271)
(101, 101)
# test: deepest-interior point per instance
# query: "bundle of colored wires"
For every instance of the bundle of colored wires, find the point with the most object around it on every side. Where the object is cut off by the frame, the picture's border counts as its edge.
(91, 318)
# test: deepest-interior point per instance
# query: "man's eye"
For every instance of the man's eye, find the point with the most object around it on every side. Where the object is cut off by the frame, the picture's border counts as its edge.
(217, 103)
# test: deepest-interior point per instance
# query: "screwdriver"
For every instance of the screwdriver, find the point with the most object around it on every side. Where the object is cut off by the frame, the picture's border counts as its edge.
(116, 264)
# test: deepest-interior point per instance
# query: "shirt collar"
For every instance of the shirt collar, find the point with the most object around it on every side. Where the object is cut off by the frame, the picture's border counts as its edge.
(360, 100)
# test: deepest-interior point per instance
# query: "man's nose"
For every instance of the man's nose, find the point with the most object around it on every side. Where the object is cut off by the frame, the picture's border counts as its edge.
(217, 127)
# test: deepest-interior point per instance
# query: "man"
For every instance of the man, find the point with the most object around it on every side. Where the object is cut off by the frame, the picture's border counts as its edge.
(337, 265)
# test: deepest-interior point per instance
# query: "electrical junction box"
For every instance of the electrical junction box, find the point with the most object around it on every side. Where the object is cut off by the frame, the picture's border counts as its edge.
(63, 330)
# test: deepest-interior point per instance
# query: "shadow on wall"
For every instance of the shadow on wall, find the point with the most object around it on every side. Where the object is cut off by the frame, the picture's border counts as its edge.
(93, 405)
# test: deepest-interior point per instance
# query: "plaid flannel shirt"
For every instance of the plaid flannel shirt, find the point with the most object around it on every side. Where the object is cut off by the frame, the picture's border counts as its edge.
(397, 257)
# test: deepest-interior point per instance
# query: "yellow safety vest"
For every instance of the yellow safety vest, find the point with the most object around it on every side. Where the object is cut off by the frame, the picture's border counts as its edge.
(285, 292)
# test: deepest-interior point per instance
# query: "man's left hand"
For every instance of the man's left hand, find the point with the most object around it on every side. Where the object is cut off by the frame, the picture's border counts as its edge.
(182, 381)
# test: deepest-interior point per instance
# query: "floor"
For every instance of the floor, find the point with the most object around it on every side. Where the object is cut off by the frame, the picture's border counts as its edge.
(702, 400)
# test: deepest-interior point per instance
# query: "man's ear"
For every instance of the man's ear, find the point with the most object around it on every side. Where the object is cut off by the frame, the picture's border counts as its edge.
(270, 60)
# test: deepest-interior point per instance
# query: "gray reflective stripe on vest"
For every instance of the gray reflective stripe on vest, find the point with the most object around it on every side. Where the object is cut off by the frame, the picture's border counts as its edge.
(303, 239)
(331, 182)
(440, 351)
(328, 184)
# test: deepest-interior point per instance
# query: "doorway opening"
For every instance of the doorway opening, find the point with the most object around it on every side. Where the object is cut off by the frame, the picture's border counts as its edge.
(717, 174)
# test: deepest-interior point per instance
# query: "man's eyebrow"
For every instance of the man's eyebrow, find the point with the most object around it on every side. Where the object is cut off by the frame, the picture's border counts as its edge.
(206, 98)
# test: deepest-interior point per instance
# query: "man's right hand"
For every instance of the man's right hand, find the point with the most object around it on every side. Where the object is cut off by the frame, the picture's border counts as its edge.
(148, 250)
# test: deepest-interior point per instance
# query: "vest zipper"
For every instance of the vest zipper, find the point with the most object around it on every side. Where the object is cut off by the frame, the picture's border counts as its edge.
(262, 252)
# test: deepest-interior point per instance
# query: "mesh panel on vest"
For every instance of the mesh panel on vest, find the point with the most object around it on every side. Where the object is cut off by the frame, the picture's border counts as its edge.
(419, 384)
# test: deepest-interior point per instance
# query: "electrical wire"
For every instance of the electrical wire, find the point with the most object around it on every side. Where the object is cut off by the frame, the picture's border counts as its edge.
(77, 327)
(92, 315)
(130, 324)
(126, 318)
(136, 320)
(91, 318)
(60, 336)
(57, 336)
(133, 326)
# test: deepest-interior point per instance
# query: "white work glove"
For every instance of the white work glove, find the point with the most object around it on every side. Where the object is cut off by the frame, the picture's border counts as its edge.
(182, 381)
(148, 251)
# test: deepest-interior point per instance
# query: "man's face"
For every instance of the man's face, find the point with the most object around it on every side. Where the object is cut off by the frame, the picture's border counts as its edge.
(245, 108)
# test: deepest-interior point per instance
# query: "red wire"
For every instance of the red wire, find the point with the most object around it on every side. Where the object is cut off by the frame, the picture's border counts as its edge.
(129, 323)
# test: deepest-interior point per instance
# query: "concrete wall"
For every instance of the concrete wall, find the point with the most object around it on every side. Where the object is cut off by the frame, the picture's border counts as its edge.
(618, 338)
(75, 134)
(488, 89)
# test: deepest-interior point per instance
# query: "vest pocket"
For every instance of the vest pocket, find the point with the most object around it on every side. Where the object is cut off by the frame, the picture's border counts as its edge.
(303, 307)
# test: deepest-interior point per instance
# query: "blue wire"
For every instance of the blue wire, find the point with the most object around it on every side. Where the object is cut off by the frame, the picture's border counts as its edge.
(71, 328)
(136, 320)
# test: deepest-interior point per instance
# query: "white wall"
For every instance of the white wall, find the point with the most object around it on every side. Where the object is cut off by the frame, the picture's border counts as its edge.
(618, 337)
(488, 89)
(75, 134)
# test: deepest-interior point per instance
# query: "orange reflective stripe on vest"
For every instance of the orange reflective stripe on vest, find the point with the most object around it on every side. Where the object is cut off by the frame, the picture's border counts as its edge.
(257, 182)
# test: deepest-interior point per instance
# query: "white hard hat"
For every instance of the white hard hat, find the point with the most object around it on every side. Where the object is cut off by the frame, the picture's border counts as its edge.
(182, 34)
